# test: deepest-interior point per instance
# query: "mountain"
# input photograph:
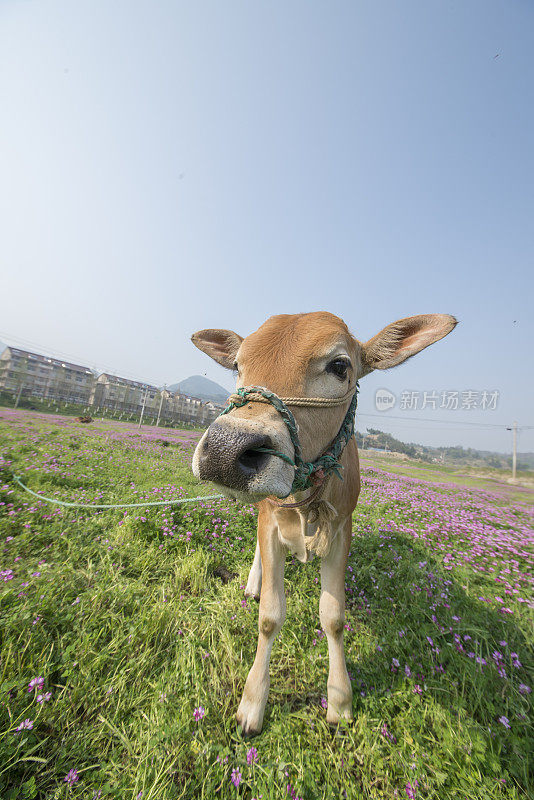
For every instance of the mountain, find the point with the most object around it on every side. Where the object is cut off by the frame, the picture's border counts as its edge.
(2, 347)
(198, 386)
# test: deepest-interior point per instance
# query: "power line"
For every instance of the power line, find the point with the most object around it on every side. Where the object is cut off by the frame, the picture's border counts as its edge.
(385, 417)
(51, 351)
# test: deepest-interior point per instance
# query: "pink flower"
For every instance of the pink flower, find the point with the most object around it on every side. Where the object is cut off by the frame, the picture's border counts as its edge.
(236, 777)
(27, 724)
(252, 755)
(71, 777)
(411, 789)
(43, 698)
(198, 713)
(35, 683)
(417, 689)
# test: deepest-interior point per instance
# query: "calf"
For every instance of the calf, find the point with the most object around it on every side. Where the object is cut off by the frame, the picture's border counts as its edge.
(289, 463)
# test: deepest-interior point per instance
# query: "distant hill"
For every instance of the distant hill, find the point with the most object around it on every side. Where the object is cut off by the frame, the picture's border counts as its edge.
(198, 386)
(2, 347)
(449, 455)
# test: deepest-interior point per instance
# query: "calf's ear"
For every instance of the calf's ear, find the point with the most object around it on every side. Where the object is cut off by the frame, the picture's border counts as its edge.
(403, 339)
(219, 344)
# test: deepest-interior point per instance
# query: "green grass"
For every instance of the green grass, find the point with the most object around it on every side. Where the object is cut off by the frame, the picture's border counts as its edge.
(132, 630)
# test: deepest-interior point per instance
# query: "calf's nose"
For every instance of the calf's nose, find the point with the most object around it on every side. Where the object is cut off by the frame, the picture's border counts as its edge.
(230, 456)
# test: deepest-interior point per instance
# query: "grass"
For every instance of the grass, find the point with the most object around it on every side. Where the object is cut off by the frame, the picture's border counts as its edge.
(126, 620)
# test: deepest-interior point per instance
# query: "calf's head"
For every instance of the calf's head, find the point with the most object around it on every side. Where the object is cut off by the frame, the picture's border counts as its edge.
(294, 355)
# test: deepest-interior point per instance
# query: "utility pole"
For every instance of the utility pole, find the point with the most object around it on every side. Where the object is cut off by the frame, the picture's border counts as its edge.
(514, 454)
(514, 450)
(160, 404)
(143, 408)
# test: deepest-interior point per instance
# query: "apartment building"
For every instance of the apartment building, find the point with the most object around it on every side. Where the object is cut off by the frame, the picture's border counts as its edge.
(25, 373)
(123, 394)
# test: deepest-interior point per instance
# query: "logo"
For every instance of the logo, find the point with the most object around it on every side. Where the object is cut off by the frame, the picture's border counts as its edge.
(384, 399)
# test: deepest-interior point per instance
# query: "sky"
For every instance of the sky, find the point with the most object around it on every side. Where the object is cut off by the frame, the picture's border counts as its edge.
(172, 166)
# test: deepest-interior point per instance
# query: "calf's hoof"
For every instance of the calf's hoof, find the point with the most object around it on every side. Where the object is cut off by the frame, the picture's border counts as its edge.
(249, 718)
(335, 715)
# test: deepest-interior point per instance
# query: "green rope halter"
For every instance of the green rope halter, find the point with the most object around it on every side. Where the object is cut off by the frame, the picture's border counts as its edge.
(305, 471)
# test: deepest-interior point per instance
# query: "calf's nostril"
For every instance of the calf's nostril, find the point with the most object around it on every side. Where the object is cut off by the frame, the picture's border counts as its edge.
(252, 459)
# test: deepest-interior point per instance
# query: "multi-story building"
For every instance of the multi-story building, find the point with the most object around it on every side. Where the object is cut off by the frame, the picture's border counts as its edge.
(123, 394)
(28, 374)
(25, 373)
(182, 408)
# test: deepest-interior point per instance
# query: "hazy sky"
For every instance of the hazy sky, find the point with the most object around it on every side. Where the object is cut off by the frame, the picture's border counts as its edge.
(171, 166)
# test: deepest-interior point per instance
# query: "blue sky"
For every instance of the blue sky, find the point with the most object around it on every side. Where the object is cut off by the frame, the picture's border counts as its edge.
(170, 166)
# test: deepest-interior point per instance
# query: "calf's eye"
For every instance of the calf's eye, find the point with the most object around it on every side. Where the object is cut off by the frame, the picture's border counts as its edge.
(339, 367)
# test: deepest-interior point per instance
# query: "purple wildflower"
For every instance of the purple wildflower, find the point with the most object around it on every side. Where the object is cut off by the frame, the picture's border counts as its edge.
(71, 777)
(505, 721)
(198, 713)
(36, 683)
(252, 755)
(411, 789)
(524, 689)
(26, 725)
(236, 777)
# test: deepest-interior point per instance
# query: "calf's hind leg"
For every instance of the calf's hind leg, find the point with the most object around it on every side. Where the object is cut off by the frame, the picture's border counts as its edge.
(253, 588)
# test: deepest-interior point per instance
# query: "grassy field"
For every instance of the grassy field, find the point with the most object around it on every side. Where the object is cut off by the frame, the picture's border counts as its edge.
(124, 651)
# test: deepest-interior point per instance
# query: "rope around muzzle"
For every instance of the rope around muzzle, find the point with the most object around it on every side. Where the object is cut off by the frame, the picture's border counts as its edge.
(307, 473)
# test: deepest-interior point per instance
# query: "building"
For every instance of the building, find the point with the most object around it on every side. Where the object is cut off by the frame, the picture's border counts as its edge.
(129, 397)
(177, 407)
(30, 374)
(123, 394)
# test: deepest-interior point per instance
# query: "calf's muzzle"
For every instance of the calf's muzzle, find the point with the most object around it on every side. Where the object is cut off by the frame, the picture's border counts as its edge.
(230, 457)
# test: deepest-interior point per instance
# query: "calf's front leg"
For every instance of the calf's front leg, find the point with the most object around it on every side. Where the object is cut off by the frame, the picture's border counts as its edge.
(271, 617)
(332, 615)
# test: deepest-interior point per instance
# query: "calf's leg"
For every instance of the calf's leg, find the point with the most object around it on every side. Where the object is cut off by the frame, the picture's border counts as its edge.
(271, 617)
(332, 615)
(253, 588)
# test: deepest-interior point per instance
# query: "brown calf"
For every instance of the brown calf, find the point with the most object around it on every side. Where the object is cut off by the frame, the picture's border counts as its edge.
(304, 356)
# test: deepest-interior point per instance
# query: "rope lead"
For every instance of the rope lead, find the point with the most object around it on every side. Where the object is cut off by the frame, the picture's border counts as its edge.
(115, 505)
